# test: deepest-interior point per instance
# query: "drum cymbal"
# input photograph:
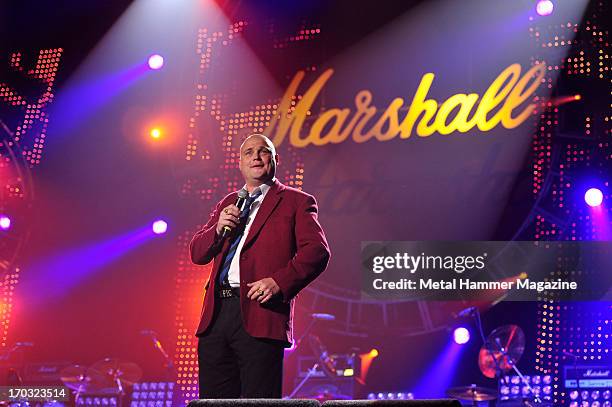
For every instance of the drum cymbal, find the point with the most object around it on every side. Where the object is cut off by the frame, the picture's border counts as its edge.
(502, 349)
(472, 393)
(83, 379)
(113, 369)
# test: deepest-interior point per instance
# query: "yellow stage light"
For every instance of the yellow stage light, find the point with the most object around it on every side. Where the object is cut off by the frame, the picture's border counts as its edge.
(155, 133)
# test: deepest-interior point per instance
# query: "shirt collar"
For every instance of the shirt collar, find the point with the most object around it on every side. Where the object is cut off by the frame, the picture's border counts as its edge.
(264, 188)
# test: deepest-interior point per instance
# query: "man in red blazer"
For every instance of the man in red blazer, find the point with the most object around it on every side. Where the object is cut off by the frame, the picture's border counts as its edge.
(264, 253)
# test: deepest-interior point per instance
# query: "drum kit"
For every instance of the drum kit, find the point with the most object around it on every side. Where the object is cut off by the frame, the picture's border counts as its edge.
(499, 354)
(108, 376)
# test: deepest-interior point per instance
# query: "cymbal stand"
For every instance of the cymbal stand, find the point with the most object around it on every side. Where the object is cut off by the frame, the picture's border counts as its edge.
(115, 375)
(504, 352)
(169, 365)
(498, 369)
(311, 372)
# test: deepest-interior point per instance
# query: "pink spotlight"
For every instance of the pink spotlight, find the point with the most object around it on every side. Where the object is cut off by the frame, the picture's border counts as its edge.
(593, 197)
(461, 335)
(159, 227)
(5, 222)
(545, 7)
(156, 61)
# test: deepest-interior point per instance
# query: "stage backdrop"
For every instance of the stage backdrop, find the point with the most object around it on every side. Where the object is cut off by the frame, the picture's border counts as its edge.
(407, 121)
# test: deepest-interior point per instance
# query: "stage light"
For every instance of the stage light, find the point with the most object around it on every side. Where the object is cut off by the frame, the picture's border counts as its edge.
(159, 227)
(97, 401)
(155, 133)
(545, 7)
(593, 197)
(156, 61)
(366, 362)
(5, 222)
(461, 335)
(391, 396)
(562, 100)
(153, 394)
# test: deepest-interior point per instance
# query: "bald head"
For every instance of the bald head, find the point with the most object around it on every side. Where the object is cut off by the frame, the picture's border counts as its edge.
(258, 160)
(265, 139)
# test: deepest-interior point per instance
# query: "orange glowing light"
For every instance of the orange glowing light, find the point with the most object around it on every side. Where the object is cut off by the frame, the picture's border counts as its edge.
(155, 133)
(561, 100)
(366, 362)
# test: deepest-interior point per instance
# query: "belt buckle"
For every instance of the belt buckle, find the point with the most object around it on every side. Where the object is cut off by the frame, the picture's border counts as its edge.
(226, 293)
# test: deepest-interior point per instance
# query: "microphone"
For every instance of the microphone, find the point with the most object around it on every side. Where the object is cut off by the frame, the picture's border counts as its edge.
(242, 196)
(466, 312)
(323, 317)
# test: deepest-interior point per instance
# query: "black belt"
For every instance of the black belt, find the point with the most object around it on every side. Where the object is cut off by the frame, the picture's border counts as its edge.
(228, 292)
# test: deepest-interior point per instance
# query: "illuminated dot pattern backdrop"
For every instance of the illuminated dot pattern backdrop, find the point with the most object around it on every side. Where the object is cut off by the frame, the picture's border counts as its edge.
(190, 284)
(571, 149)
(7, 288)
(305, 33)
(31, 112)
(24, 113)
(570, 49)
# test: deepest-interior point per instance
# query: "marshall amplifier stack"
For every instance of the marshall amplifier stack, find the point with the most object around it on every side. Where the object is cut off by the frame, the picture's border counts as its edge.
(588, 385)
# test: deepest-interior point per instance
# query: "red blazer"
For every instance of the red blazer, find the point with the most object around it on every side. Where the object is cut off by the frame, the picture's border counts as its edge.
(285, 242)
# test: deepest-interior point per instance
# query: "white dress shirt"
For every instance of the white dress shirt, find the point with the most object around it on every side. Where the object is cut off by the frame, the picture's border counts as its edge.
(234, 270)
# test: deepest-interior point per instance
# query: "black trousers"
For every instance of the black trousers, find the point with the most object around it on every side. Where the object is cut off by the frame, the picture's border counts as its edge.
(232, 363)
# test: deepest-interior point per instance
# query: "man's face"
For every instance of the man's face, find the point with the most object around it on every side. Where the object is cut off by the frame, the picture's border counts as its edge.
(257, 161)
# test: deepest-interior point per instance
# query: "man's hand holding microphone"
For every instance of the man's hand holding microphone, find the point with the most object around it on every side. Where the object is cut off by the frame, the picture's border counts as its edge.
(230, 215)
(228, 220)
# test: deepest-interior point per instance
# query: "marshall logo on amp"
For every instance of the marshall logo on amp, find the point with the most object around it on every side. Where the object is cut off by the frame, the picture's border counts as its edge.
(587, 377)
(597, 373)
